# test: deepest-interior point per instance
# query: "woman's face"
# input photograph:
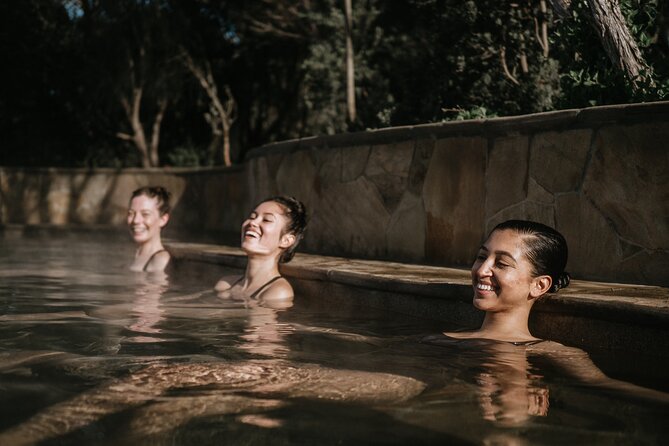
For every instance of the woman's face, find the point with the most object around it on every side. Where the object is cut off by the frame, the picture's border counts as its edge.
(144, 219)
(262, 231)
(502, 276)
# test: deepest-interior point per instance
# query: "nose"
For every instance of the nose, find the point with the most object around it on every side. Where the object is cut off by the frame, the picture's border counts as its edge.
(483, 268)
(136, 218)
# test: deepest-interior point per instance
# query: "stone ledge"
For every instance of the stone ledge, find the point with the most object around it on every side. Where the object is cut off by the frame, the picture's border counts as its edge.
(589, 315)
(639, 304)
(557, 120)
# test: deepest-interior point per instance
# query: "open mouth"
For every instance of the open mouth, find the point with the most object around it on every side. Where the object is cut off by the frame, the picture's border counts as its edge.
(251, 234)
(484, 287)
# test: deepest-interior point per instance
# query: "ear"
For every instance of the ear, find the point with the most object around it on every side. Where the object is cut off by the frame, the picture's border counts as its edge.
(164, 219)
(540, 286)
(287, 240)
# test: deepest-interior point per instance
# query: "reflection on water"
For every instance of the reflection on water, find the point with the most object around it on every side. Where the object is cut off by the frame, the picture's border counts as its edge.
(146, 307)
(90, 353)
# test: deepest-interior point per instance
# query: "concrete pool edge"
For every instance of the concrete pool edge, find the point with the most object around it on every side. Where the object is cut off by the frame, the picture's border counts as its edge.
(586, 314)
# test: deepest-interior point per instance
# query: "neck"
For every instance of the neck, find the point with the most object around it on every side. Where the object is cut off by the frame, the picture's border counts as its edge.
(149, 247)
(506, 325)
(261, 269)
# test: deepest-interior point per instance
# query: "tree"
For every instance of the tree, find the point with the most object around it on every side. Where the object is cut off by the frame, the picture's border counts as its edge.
(619, 44)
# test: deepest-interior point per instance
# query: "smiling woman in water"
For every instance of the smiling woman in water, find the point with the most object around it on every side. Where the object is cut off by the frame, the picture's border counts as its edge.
(269, 236)
(148, 213)
(520, 262)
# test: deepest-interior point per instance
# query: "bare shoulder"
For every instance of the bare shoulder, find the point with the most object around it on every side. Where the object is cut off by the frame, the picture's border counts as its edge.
(226, 282)
(279, 291)
(158, 262)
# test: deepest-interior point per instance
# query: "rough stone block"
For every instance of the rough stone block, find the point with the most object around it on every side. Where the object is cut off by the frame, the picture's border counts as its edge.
(58, 199)
(557, 159)
(593, 243)
(349, 218)
(354, 161)
(94, 190)
(297, 177)
(388, 168)
(406, 230)
(628, 181)
(419, 164)
(525, 210)
(454, 194)
(506, 174)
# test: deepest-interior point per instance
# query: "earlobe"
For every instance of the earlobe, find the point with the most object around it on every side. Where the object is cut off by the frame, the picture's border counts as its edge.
(287, 240)
(540, 286)
(164, 219)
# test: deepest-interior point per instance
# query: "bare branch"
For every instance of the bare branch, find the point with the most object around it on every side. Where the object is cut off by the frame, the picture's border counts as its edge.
(540, 40)
(505, 68)
(155, 131)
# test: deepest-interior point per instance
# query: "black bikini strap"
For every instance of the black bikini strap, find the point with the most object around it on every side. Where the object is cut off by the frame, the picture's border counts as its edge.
(269, 282)
(151, 258)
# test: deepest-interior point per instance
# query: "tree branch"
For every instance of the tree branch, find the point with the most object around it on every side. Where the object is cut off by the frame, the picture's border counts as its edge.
(505, 68)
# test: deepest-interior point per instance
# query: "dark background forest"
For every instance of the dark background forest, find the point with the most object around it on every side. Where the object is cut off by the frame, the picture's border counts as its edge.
(119, 83)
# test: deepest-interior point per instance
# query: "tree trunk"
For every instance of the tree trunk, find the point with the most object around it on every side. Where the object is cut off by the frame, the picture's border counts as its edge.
(155, 132)
(138, 138)
(221, 115)
(148, 152)
(616, 38)
(350, 72)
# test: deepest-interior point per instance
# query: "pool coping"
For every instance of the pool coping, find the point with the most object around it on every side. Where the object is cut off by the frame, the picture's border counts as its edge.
(599, 314)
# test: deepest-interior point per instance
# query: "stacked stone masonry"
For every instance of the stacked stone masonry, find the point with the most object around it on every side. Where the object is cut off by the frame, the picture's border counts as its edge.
(423, 194)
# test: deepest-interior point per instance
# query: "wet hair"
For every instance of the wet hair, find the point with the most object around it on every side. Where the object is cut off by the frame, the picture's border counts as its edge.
(545, 248)
(161, 195)
(297, 222)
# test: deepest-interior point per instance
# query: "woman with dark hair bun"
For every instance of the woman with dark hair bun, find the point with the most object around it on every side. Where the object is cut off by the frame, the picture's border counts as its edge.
(270, 235)
(518, 263)
(148, 213)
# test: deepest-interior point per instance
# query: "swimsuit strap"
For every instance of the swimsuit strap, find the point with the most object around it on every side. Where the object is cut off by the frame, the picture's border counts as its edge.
(259, 290)
(268, 283)
(536, 341)
(151, 258)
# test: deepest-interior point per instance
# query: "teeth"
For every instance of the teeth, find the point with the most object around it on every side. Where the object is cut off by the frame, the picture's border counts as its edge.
(252, 234)
(483, 287)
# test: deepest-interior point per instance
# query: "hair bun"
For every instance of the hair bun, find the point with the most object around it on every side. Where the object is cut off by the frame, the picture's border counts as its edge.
(562, 281)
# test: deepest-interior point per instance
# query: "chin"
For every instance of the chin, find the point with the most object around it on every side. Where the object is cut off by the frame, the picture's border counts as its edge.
(480, 303)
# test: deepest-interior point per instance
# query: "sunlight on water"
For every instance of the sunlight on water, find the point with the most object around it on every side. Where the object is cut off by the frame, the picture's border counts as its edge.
(91, 353)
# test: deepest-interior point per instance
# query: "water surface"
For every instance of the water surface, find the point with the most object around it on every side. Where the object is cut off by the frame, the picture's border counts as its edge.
(91, 353)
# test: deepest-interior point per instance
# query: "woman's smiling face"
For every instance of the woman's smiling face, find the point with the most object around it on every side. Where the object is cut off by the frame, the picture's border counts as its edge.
(262, 231)
(144, 219)
(502, 276)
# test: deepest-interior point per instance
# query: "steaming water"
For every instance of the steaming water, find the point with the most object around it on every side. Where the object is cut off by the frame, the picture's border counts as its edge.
(93, 354)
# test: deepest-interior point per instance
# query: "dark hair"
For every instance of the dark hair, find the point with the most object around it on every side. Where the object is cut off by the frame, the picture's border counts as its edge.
(297, 216)
(545, 248)
(161, 195)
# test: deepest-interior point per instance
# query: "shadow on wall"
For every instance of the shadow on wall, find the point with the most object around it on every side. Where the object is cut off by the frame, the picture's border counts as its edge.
(74, 196)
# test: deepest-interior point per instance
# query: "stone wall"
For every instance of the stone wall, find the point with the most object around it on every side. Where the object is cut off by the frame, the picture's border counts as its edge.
(425, 194)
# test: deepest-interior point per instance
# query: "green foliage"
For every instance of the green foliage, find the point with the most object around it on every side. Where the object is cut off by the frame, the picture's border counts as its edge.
(185, 156)
(69, 63)
(590, 78)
